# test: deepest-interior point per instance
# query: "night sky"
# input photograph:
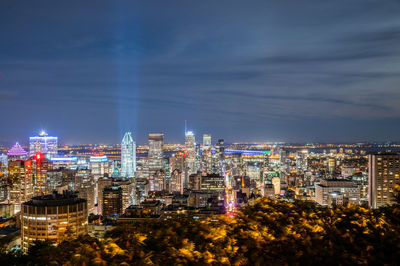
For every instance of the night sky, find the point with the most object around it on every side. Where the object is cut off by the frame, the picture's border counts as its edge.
(295, 71)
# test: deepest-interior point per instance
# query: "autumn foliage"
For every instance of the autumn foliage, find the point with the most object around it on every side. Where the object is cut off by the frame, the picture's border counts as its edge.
(268, 232)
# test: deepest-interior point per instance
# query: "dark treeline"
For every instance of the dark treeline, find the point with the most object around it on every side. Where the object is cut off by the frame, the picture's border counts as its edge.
(266, 233)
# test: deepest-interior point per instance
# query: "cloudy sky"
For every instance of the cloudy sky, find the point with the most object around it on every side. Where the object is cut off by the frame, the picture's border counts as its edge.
(241, 70)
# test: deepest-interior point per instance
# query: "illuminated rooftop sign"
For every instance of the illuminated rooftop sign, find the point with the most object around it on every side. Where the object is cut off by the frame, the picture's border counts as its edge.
(98, 159)
(63, 159)
(17, 150)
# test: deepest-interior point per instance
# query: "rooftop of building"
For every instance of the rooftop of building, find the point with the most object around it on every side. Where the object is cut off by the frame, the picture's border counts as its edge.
(386, 153)
(55, 199)
(112, 188)
(16, 150)
(335, 182)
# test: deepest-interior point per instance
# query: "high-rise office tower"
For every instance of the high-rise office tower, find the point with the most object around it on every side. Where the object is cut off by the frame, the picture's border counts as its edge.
(237, 164)
(100, 167)
(176, 181)
(20, 182)
(100, 185)
(383, 174)
(156, 153)
(197, 161)
(112, 201)
(207, 141)
(20, 175)
(40, 166)
(206, 154)
(220, 149)
(166, 169)
(331, 165)
(219, 156)
(190, 152)
(43, 143)
(177, 169)
(86, 191)
(158, 182)
(3, 174)
(3, 163)
(128, 191)
(128, 156)
(84, 184)
(177, 162)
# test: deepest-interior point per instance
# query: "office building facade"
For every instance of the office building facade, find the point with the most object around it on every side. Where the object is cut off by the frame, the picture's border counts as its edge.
(43, 143)
(383, 175)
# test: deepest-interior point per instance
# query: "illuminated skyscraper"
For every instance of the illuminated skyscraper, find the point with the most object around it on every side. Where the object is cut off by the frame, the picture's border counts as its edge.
(100, 167)
(177, 169)
(207, 141)
(3, 164)
(156, 153)
(207, 154)
(20, 178)
(99, 188)
(112, 201)
(220, 150)
(128, 156)
(158, 181)
(384, 174)
(40, 166)
(190, 151)
(219, 156)
(43, 144)
(176, 181)
(127, 188)
(3, 174)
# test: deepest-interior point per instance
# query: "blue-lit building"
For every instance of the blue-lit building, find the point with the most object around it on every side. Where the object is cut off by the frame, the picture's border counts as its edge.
(43, 143)
(128, 156)
(70, 163)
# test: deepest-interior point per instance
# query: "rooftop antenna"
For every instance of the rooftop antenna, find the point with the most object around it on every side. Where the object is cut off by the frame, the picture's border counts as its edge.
(185, 128)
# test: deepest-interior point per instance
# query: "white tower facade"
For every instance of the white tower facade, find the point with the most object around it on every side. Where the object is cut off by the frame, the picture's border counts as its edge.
(128, 156)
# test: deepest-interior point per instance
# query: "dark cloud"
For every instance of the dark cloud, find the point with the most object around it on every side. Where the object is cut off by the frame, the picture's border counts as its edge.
(313, 98)
(258, 70)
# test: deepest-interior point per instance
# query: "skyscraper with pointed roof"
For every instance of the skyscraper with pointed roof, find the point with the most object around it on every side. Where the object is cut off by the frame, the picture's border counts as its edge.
(128, 156)
(17, 152)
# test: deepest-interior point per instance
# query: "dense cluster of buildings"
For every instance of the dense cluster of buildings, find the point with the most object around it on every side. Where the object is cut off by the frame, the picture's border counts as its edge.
(57, 192)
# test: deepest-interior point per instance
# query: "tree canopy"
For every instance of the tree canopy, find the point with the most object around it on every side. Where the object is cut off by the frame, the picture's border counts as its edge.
(269, 232)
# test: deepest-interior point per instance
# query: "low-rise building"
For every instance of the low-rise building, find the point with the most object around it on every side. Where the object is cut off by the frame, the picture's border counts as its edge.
(336, 192)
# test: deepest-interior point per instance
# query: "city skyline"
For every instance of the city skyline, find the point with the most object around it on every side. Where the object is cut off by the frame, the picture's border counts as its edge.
(25, 141)
(263, 71)
(188, 132)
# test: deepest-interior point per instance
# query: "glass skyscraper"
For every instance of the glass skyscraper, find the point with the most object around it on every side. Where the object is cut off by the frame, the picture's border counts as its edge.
(190, 151)
(207, 154)
(156, 153)
(128, 156)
